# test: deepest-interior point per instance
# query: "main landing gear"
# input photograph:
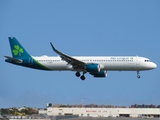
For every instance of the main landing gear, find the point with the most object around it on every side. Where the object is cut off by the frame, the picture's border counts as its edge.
(138, 75)
(78, 75)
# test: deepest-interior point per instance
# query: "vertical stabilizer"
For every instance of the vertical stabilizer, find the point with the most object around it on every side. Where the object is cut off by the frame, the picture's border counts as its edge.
(17, 49)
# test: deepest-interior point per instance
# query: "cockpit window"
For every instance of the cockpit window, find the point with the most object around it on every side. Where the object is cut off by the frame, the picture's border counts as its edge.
(146, 60)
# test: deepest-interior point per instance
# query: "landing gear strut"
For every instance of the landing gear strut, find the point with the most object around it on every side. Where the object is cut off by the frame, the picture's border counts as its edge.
(83, 77)
(138, 75)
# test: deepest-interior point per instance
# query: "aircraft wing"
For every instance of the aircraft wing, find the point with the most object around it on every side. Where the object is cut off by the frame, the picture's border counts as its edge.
(77, 64)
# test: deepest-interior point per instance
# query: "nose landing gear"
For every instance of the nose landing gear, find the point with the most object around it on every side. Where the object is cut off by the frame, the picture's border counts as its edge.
(138, 75)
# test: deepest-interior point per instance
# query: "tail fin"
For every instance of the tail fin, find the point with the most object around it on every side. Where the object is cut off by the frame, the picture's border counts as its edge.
(17, 49)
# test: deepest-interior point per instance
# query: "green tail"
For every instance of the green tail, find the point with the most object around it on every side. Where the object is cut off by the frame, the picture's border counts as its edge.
(17, 49)
(21, 56)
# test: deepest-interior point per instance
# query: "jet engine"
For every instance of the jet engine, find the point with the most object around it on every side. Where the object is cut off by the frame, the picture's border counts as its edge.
(92, 67)
(102, 73)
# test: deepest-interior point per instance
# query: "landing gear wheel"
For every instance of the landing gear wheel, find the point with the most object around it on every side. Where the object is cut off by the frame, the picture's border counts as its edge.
(82, 77)
(77, 74)
(138, 75)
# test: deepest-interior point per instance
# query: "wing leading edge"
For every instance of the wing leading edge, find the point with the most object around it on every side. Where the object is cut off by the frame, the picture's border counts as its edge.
(77, 64)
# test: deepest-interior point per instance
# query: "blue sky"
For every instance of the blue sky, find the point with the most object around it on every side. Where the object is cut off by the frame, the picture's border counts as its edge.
(82, 27)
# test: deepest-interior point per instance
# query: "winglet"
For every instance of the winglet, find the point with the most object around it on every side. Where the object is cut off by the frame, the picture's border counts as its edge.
(55, 50)
(53, 47)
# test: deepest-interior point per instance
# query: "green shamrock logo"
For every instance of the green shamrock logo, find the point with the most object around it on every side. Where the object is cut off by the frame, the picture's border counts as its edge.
(17, 50)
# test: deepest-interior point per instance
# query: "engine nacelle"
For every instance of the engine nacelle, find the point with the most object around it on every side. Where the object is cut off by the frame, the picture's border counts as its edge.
(102, 73)
(92, 67)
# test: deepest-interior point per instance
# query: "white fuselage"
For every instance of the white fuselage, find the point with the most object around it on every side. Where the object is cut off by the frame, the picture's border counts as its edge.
(94, 65)
(114, 63)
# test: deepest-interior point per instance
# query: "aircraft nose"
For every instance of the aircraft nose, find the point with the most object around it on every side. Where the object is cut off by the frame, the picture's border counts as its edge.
(154, 65)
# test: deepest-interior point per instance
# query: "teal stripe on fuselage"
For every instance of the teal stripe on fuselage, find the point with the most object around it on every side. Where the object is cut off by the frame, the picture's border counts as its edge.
(38, 65)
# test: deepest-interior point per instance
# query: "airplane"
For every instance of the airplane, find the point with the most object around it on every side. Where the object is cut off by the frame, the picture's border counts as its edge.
(98, 66)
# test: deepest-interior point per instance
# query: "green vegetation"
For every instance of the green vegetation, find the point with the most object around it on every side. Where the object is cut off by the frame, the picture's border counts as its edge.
(17, 112)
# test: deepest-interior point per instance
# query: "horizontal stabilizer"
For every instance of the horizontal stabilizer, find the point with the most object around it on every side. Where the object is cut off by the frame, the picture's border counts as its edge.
(14, 59)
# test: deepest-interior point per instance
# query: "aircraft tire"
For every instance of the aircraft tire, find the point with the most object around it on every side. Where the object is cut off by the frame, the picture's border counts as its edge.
(82, 77)
(77, 74)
